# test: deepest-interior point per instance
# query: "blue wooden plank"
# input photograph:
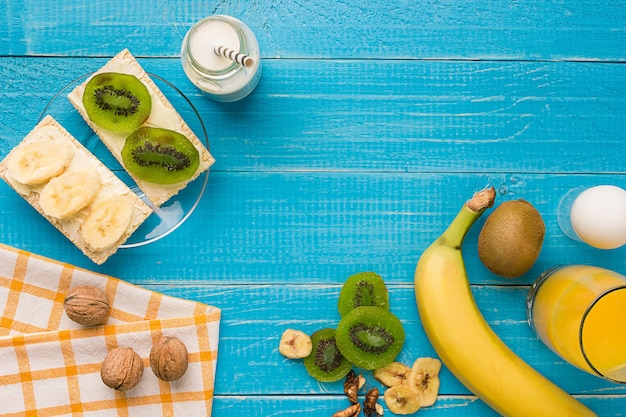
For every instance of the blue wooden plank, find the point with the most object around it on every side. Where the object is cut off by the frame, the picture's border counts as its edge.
(372, 123)
(402, 29)
(420, 117)
(318, 227)
(254, 317)
(286, 406)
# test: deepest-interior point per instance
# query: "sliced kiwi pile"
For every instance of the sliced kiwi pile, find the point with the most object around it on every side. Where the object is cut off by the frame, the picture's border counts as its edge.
(368, 336)
(160, 156)
(117, 102)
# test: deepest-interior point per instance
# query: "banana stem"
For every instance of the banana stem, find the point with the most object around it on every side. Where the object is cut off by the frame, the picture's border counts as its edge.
(482, 200)
(469, 213)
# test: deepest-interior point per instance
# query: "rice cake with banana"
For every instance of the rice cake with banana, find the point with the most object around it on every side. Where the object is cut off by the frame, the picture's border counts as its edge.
(153, 146)
(73, 190)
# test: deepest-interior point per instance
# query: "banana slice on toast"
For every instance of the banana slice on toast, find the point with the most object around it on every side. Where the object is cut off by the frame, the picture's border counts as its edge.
(162, 115)
(40, 159)
(73, 190)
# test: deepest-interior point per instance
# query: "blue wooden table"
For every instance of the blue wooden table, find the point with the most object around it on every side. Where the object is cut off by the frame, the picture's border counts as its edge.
(373, 122)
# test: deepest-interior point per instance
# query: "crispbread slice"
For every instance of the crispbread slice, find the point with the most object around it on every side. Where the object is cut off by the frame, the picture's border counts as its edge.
(163, 115)
(111, 185)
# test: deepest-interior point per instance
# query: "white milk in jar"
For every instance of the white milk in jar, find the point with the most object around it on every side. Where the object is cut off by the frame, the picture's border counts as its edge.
(221, 56)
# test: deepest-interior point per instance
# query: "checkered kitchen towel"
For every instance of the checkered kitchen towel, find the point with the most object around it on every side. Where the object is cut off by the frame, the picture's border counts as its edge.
(50, 366)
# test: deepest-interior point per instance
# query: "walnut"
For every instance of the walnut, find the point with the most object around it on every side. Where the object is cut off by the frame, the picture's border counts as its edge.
(371, 402)
(87, 305)
(169, 358)
(122, 368)
(351, 411)
(351, 387)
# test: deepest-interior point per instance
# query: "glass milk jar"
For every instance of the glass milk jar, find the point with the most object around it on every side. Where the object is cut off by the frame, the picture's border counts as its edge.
(220, 55)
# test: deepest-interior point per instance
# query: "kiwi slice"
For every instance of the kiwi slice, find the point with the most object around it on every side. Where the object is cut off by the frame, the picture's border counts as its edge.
(117, 102)
(363, 289)
(326, 363)
(370, 337)
(161, 156)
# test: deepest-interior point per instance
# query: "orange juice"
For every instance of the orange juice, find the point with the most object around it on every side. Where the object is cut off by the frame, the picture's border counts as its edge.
(579, 312)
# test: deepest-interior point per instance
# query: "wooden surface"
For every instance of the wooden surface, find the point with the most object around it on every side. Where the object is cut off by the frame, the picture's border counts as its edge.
(372, 124)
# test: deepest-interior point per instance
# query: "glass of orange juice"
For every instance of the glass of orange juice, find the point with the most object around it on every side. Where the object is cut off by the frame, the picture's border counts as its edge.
(579, 312)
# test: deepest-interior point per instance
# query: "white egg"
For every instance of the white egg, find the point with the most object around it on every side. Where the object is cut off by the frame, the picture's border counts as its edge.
(598, 216)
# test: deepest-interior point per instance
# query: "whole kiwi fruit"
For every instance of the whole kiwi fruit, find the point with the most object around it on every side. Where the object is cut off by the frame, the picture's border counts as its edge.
(511, 238)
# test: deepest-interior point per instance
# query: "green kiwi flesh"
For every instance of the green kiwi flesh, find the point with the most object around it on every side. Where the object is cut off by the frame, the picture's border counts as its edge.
(326, 363)
(370, 337)
(363, 289)
(117, 102)
(160, 156)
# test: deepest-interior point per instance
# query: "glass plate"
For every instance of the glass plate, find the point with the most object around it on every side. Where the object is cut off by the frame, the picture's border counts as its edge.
(173, 213)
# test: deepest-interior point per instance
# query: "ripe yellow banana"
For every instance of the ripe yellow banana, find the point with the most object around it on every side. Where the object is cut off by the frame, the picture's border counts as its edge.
(466, 344)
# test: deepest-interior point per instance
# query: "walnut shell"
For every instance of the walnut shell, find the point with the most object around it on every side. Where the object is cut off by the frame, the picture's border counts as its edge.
(169, 358)
(122, 368)
(87, 305)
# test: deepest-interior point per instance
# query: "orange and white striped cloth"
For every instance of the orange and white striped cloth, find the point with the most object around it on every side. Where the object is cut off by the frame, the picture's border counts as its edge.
(50, 366)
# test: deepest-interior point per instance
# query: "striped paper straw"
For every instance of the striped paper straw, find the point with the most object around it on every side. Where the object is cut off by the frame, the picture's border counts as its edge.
(234, 56)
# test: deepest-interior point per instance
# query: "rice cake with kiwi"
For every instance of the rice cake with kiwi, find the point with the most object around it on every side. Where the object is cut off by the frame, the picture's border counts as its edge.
(163, 115)
(81, 161)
